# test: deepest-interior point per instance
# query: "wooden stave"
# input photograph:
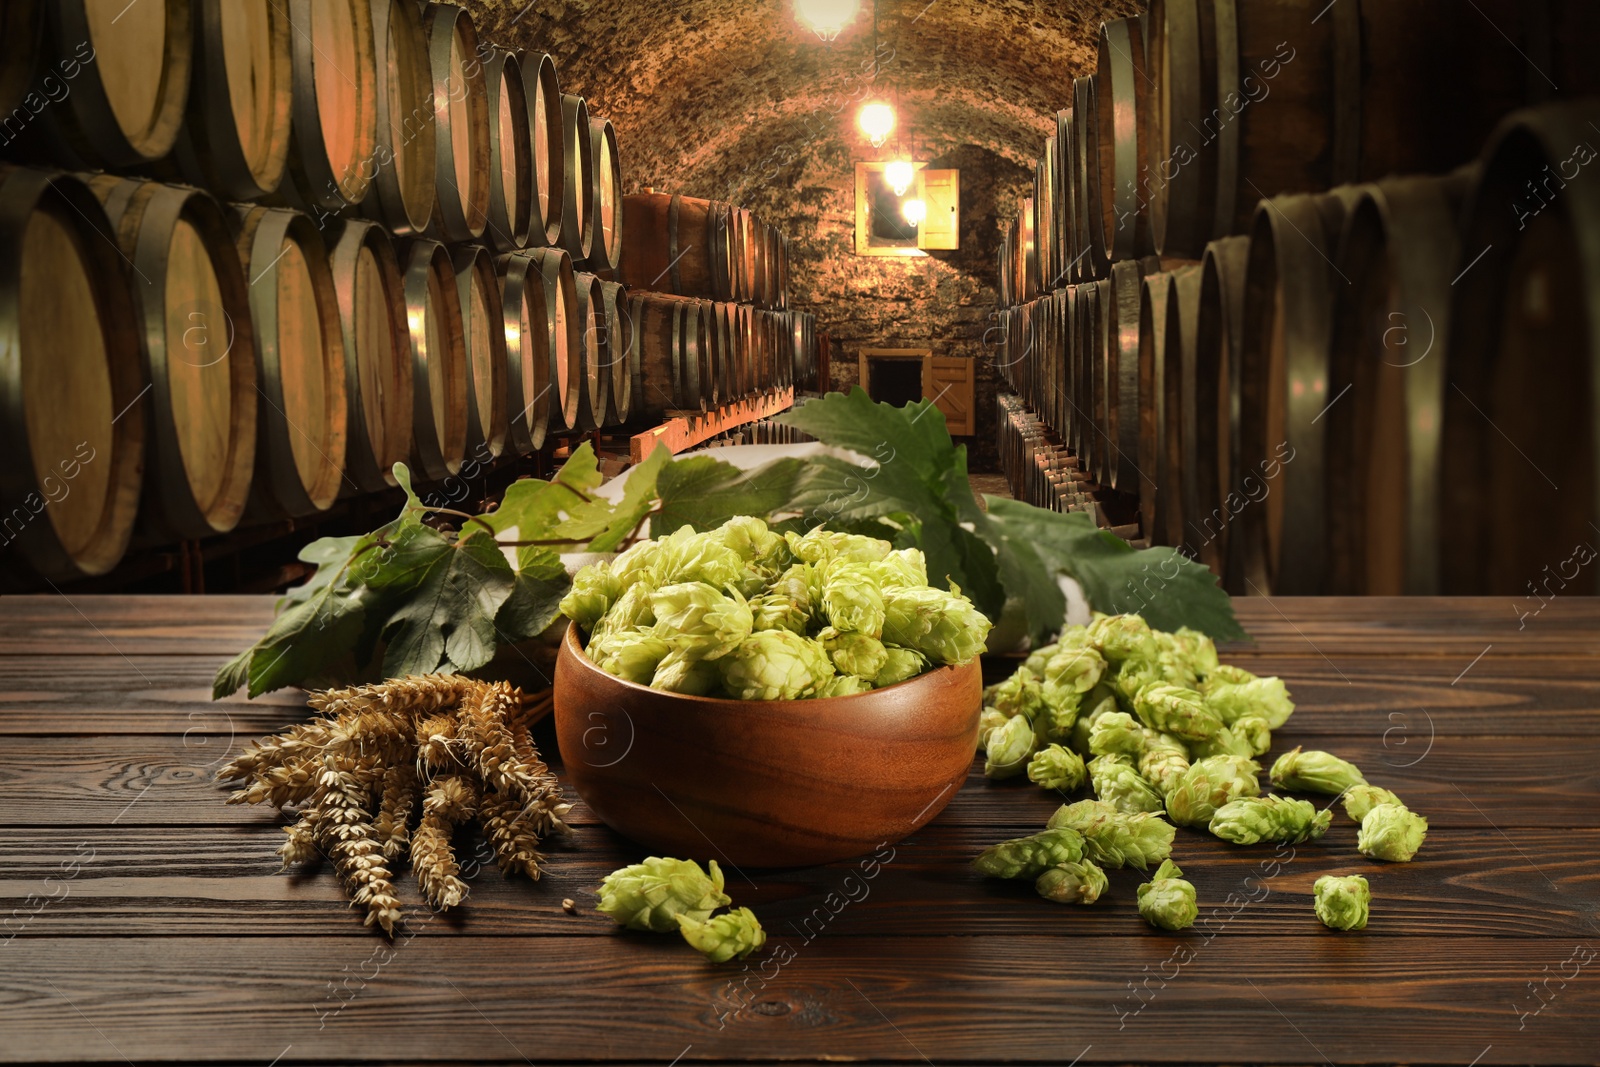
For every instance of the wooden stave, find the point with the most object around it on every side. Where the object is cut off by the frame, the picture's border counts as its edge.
(619, 351)
(474, 269)
(1044, 216)
(1159, 487)
(1122, 81)
(279, 488)
(22, 192)
(605, 259)
(510, 222)
(1217, 338)
(370, 467)
(172, 508)
(561, 315)
(659, 342)
(577, 160)
(457, 217)
(311, 182)
(1124, 388)
(208, 150)
(540, 82)
(1183, 407)
(595, 386)
(436, 455)
(406, 212)
(1096, 259)
(1524, 143)
(1103, 371)
(528, 356)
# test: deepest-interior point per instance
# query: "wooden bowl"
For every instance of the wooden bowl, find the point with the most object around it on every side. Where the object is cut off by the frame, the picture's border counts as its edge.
(780, 783)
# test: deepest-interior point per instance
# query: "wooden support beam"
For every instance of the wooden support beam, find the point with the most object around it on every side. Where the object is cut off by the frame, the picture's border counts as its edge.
(686, 431)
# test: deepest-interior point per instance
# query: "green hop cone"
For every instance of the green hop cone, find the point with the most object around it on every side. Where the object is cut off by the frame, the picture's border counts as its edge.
(852, 599)
(1198, 651)
(1391, 832)
(1039, 657)
(686, 556)
(854, 653)
(594, 590)
(1116, 734)
(700, 621)
(1250, 820)
(1025, 857)
(1225, 742)
(1072, 883)
(1060, 712)
(1054, 767)
(1341, 902)
(1115, 839)
(1266, 697)
(632, 655)
(1008, 748)
(755, 543)
(1163, 760)
(1167, 901)
(630, 611)
(945, 627)
(774, 611)
(1360, 799)
(1122, 637)
(775, 665)
(1133, 676)
(1079, 668)
(1312, 771)
(633, 565)
(651, 895)
(1177, 711)
(1208, 785)
(731, 935)
(681, 672)
(1252, 732)
(1224, 674)
(1117, 783)
(822, 545)
(1020, 694)
(903, 567)
(989, 720)
(1090, 711)
(844, 685)
(899, 665)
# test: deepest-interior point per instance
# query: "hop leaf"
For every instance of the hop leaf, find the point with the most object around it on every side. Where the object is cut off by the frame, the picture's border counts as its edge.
(775, 665)
(1054, 767)
(1178, 711)
(1116, 839)
(1026, 857)
(1301, 771)
(1341, 902)
(1250, 820)
(1391, 832)
(1072, 883)
(1009, 748)
(699, 621)
(1167, 901)
(734, 934)
(1360, 799)
(1208, 785)
(651, 895)
(943, 626)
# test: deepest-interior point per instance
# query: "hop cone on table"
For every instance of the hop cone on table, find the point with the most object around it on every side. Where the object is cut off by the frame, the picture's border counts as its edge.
(1055, 767)
(1079, 668)
(1391, 832)
(1118, 784)
(1167, 901)
(700, 621)
(775, 665)
(1116, 734)
(1197, 650)
(1060, 712)
(1039, 657)
(1312, 771)
(1266, 697)
(1072, 883)
(1116, 839)
(1008, 748)
(1227, 742)
(1020, 694)
(733, 934)
(1253, 733)
(1251, 820)
(1177, 711)
(1341, 902)
(989, 720)
(653, 894)
(1026, 857)
(1164, 760)
(1208, 785)
(1123, 637)
(1360, 799)
(943, 626)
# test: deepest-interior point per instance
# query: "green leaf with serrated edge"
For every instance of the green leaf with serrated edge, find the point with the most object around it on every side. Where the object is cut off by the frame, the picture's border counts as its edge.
(330, 554)
(532, 606)
(233, 675)
(402, 477)
(307, 637)
(455, 589)
(581, 471)
(704, 492)
(604, 524)
(1157, 583)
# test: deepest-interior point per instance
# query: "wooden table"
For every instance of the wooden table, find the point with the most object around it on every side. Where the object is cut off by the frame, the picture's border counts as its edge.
(150, 921)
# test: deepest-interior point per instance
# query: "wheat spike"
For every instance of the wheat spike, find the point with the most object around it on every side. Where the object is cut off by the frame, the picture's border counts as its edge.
(447, 803)
(516, 846)
(346, 831)
(393, 824)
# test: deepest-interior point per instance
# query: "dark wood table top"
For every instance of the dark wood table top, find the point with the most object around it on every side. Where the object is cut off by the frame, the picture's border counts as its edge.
(141, 920)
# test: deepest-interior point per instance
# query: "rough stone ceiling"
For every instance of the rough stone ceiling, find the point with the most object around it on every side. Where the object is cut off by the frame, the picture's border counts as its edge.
(711, 96)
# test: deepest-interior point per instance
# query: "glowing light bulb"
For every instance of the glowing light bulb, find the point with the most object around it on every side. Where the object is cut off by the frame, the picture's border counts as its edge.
(899, 175)
(826, 18)
(876, 121)
(914, 211)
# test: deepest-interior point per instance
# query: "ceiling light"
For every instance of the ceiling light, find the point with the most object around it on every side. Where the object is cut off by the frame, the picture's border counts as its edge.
(899, 174)
(914, 211)
(876, 120)
(826, 18)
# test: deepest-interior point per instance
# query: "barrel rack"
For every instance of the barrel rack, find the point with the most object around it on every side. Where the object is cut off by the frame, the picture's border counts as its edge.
(692, 428)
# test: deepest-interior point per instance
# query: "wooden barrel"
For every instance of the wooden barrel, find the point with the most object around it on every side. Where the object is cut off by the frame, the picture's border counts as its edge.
(123, 75)
(1003, 261)
(438, 361)
(1084, 316)
(1027, 251)
(606, 255)
(1096, 259)
(72, 384)
(678, 244)
(1390, 330)
(760, 292)
(668, 334)
(21, 46)
(511, 186)
(483, 329)
(1218, 335)
(577, 162)
(1063, 214)
(235, 135)
(404, 176)
(201, 352)
(1157, 492)
(461, 119)
(1260, 100)
(782, 272)
(377, 357)
(1044, 220)
(1124, 389)
(1284, 394)
(334, 129)
(725, 359)
(1102, 357)
(528, 348)
(302, 428)
(1122, 120)
(744, 254)
(617, 352)
(566, 335)
(594, 390)
(1186, 520)
(541, 92)
(1519, 416)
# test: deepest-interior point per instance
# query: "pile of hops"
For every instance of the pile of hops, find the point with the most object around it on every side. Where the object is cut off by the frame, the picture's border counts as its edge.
(743, 612)
(397, 767)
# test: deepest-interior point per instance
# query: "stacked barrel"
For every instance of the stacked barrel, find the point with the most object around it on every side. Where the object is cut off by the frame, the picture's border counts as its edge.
(708, 292)
(1312, 290)
(256, 252)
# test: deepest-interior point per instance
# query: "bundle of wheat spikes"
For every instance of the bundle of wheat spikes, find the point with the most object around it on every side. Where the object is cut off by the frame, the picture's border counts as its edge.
(355, 776)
